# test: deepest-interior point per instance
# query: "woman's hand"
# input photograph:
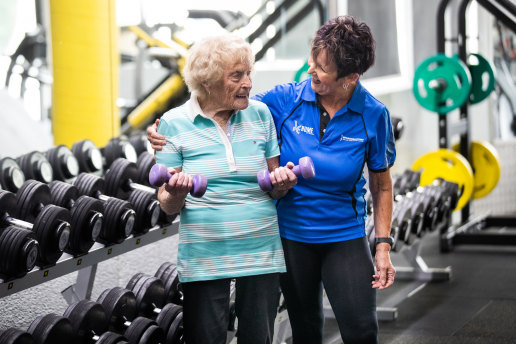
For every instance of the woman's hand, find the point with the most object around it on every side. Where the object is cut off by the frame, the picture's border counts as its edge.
(282, 178)
(172, 195)
(156, 140)
(385, 271)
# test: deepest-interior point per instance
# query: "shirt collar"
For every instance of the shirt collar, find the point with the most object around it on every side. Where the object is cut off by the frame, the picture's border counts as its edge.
(356, 103)
(193, 108)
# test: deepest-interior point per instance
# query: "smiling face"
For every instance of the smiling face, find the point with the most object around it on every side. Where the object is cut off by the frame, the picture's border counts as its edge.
(324, 75)
(232, 91)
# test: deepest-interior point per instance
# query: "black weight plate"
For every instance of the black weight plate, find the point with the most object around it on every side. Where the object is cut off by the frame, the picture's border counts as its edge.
(119, 305)
(175, 331)
(11, 175)
(24, 252)
(137, 288)
(137, 328)
(119, 221)
(118, 147)
(132, 282)
(36, 166)
(52, 228)
(15, 263)
(63, 162)
(83, 232)
(167, 315)
(51, 329)
(63, 194)
(162, 268)
(7, 203)
(15, 336)
(31, 197)
(89, 184)
(147, 210)
(171, 280)
(120, 173)
(144, 164)
(88, 156)
(87, 317)
(149, 296)
(139, 141)
(111, 338)
(6, 257)
(152, 335)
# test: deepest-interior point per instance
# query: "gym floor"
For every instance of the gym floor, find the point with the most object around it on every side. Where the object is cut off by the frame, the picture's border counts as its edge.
(477, 305)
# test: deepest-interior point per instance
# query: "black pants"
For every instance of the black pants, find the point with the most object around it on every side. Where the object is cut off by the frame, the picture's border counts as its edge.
(206, 309)
(345, 269)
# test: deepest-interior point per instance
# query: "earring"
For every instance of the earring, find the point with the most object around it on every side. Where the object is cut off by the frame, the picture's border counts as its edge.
(345, 86)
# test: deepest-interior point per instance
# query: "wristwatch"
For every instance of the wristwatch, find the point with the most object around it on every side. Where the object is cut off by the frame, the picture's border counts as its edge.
(387, 240)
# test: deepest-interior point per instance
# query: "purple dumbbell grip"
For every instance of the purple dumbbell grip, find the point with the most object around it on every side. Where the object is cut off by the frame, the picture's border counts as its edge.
(159, 175)
(305, 168)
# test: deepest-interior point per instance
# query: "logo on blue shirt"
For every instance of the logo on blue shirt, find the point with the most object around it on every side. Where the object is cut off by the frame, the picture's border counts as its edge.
(301, 128)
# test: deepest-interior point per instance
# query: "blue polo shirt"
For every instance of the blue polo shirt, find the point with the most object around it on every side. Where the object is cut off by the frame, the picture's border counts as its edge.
(331, 207)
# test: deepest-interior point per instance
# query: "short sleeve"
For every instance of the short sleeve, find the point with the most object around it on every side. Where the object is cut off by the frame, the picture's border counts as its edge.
(382, 150)
(271, 140)
(170, 155)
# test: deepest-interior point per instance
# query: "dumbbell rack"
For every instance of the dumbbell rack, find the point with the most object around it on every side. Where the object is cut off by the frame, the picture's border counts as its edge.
(502, 10)
(85, 265)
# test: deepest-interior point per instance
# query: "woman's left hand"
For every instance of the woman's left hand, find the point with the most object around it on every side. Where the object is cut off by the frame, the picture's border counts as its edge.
(385, 271)
(282, 178)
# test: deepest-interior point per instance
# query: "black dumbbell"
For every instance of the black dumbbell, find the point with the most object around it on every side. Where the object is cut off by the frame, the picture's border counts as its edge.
(36, 166)
(64, 164)
(19, 248)
(33, 211)
(414, 200)
(122, 317)
(11, 175)
(15, 336)
(144, 164)
(397, 127)
(151, 302)
(51, 329)
(138, 140)
(118, 147)
(90, 324)
(119, 216)
(120, 183)
(402, 219)
(88, 156)
(167, 273)
(86, 216)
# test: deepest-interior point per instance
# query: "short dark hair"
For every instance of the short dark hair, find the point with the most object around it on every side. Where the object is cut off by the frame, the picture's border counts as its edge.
(348, 42)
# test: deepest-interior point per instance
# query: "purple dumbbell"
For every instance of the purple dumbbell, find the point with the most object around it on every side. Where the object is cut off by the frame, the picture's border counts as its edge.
(159, 175)
(305, 169)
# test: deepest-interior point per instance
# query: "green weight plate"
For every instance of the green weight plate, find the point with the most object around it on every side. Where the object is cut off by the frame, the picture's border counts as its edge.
(441, 84)
(486, 166)
(482, 78)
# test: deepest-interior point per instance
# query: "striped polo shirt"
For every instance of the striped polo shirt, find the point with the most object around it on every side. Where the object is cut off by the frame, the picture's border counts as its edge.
(232, 230)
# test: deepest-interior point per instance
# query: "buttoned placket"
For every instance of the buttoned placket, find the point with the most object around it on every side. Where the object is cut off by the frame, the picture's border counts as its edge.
(226, 138)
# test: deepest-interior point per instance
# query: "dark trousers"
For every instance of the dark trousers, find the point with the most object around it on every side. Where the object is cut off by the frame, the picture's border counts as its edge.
(345, 269)
(206, 309)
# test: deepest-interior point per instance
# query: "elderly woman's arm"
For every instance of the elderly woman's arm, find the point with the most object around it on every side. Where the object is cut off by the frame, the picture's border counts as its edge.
(282, 178)
(380, 185)
(172, 195)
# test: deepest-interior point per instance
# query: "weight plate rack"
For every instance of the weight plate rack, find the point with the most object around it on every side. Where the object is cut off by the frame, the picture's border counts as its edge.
(98, 253)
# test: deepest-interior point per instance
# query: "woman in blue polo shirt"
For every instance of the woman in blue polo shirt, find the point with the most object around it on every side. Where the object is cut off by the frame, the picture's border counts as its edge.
(333, 119)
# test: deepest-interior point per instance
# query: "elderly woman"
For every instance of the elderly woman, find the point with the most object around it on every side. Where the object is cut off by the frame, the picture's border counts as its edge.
(232, 231)
(333, 119)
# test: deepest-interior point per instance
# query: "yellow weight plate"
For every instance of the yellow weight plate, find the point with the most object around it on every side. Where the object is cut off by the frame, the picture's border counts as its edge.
(485, 162)
(448, 165)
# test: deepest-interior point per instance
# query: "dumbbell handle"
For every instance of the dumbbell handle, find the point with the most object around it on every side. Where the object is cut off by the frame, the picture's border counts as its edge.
(159, 175)
(305, 168)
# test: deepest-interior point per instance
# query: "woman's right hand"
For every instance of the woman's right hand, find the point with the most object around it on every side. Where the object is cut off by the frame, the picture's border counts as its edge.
(156, 140)
(179, 184)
